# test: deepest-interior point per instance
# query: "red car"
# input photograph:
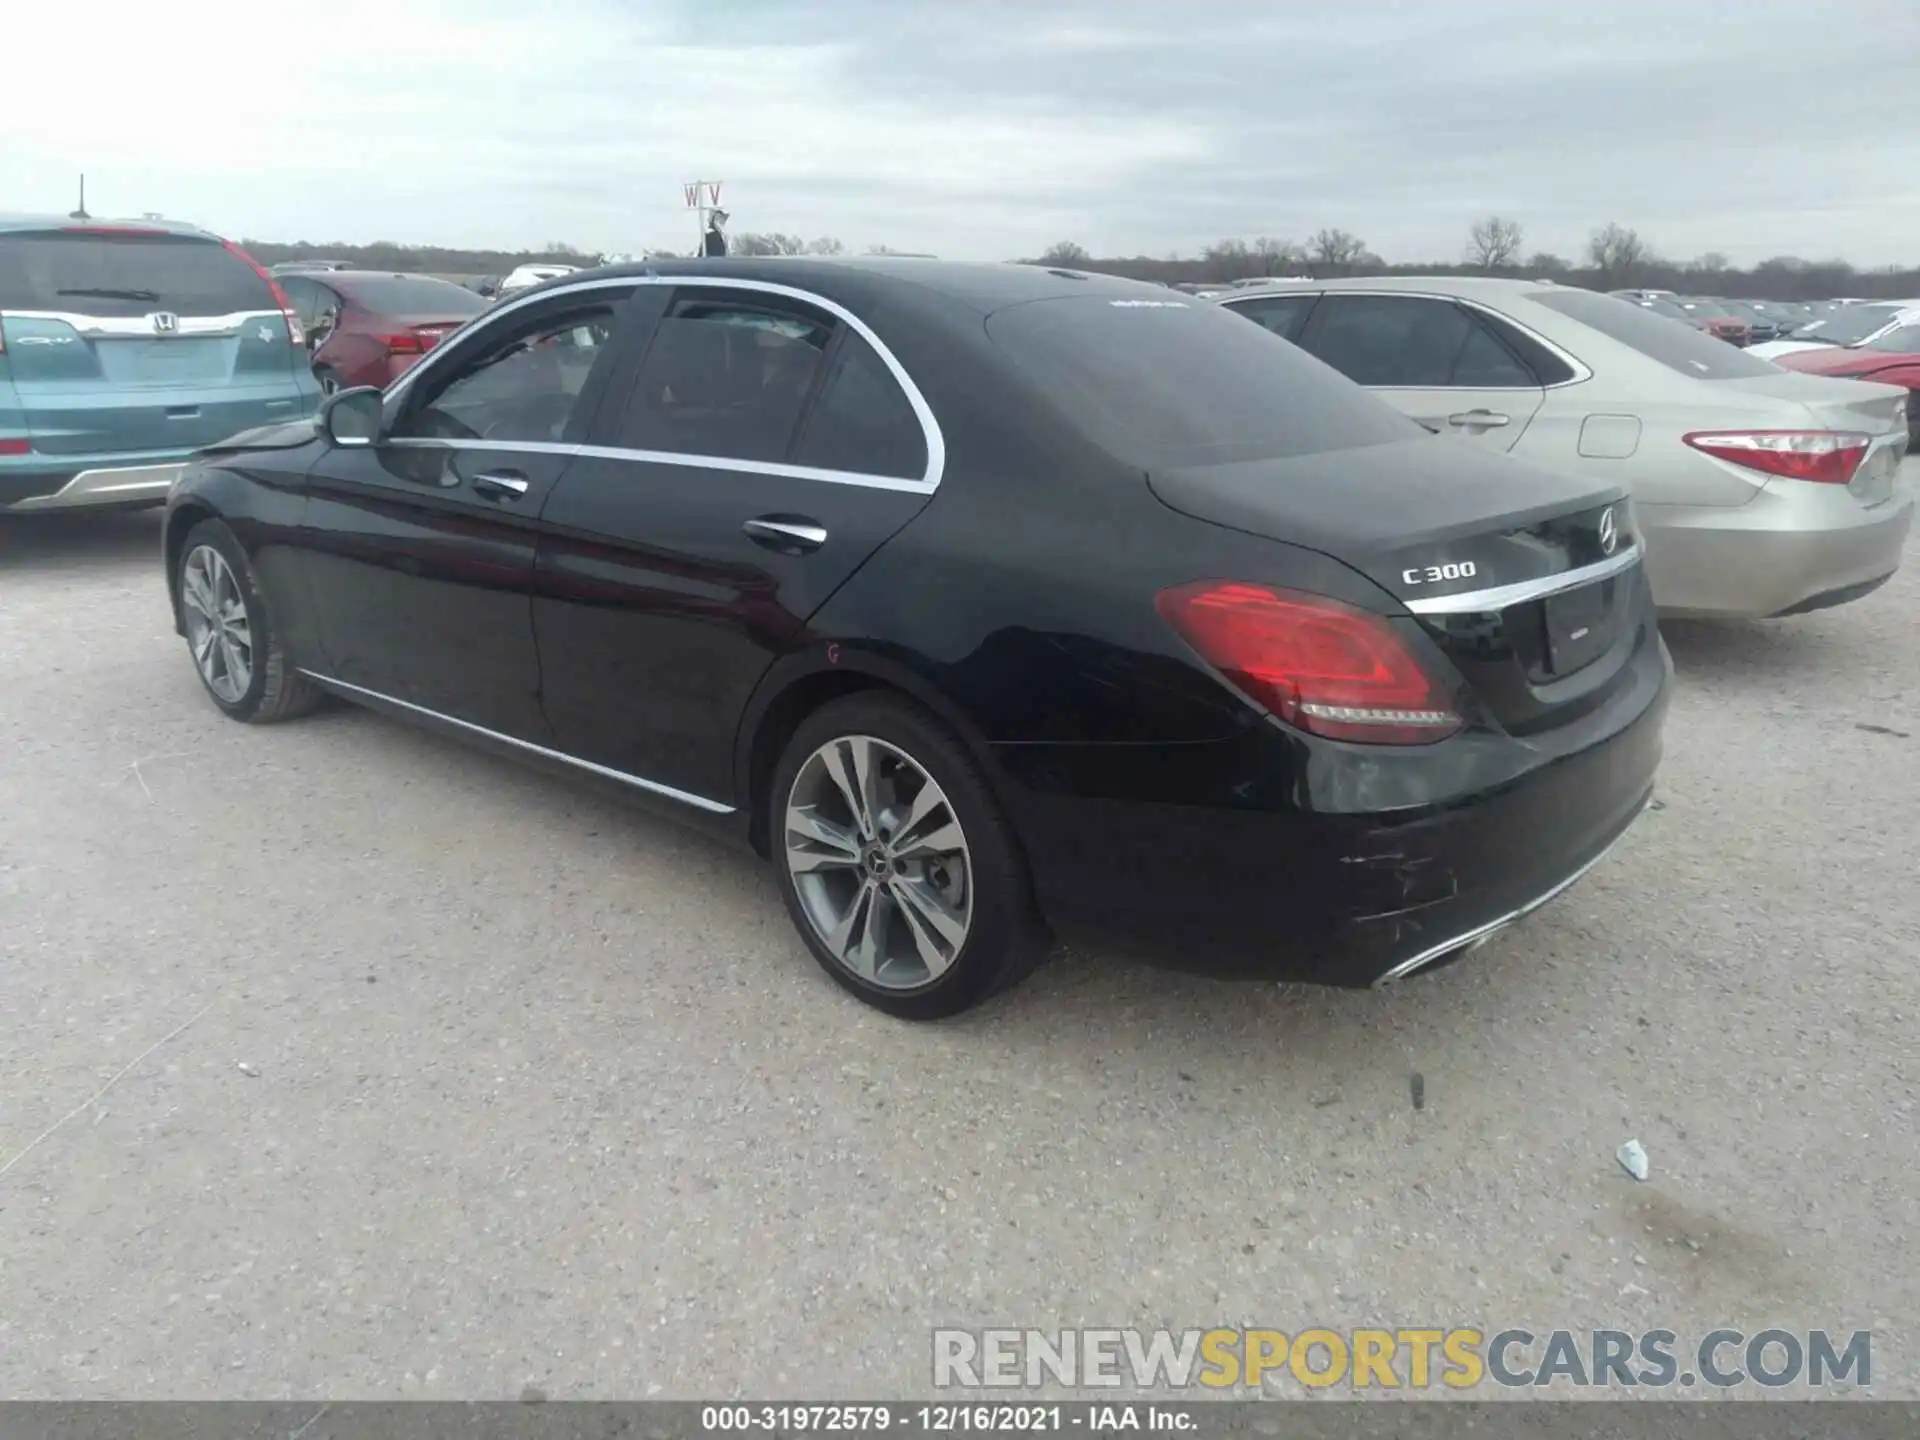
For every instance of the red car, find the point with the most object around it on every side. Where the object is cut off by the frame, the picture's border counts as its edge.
(366, 327)
(1892, 358)
(1712, 317)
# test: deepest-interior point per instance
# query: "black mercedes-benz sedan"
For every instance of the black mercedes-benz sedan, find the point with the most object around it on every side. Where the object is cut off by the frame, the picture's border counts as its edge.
(986, 601)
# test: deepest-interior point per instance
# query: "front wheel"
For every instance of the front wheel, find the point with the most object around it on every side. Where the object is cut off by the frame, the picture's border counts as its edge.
(236, 651)
(896, 863)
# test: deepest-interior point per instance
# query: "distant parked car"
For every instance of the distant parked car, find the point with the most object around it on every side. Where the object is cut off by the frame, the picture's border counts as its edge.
(1761, 326)
(370, 326)
(526, 276)
(1672, 309)
(1760, 492)
(1712, 317)
(1891, 357)
(124, 347)
(308, 267)
(1844, 325)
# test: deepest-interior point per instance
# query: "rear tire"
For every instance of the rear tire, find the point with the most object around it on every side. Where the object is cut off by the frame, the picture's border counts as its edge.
(896, 862)
(328, 382)
(236, 650)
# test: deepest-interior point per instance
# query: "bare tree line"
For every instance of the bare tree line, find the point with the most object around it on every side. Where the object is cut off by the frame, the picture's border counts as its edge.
(1616, 257)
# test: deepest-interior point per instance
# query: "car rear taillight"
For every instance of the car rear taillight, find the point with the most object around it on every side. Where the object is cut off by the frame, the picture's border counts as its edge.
(1828, 457)
(294, 331)
(16, 447)
(403, 342)
(1315, 663)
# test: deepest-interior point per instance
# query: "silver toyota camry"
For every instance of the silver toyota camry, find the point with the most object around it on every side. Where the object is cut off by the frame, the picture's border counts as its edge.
(1760, 492)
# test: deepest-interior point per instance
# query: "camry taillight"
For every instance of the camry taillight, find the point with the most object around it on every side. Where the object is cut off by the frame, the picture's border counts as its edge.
(1828, 457)
(1315, 663)
(402, 342)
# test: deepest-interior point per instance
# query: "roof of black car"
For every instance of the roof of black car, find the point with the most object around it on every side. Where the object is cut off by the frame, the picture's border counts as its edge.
(986, 285)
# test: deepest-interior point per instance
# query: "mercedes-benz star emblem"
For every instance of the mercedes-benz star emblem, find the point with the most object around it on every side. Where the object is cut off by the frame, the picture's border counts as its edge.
(1609, 532)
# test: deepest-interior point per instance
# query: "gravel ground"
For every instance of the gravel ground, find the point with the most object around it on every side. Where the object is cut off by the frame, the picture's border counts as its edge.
(425, 1075)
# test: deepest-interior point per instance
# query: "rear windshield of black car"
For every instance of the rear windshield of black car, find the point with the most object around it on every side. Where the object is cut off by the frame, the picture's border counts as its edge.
(1172, 382)
(1678, 347)
(88, 273)
(411, 295)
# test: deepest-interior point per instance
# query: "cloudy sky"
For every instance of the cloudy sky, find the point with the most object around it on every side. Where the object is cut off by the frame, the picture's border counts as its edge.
(983, 128)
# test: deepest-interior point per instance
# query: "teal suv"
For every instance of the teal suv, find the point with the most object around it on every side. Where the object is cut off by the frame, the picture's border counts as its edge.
(125, 346)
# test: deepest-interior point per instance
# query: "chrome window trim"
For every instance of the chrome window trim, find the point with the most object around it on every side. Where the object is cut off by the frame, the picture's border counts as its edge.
(936, 443)
(1582, 372)
(699, 802)
(668, 457)
(141, 326)
(1499, 597)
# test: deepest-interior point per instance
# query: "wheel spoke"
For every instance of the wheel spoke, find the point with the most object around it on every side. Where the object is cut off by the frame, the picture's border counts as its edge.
(927, 802)
(839, 939)
(203, 648)
(196, 592)
(239, 672)
(918, 899)
(841, 847)
(869, 953)
(931, 955)
(946, 840)
(850, 763)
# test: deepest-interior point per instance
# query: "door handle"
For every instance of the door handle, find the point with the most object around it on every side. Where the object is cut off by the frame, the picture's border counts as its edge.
(499, 485)
(1485, 419)
(789, 534)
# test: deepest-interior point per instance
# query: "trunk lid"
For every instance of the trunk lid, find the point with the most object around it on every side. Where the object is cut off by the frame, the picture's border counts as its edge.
(127, 340)
(1525, 579)
(1836, 404)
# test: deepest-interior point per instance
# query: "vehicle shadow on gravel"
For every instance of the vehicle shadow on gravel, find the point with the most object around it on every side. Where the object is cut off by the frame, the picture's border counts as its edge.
(46, 544)
(1726, 648)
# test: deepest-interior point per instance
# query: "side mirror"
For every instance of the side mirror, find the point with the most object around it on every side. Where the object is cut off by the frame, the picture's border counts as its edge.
(352, 417)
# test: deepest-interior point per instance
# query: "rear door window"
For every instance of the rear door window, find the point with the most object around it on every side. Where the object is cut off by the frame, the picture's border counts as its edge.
(726, 376)
(1390, 341)
(1184, 382)
(126, 274)
(1485, 364)
(1678, 347)
(1284, 315)
(862, 423)
(1542, 364)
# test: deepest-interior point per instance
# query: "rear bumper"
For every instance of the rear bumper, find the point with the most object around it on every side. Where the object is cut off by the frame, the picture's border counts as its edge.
(99, 487)
(1347, 899)
(1793, 544)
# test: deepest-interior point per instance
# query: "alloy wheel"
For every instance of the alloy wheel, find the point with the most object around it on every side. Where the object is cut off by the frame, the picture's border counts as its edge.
(879, 862)
(219, 631)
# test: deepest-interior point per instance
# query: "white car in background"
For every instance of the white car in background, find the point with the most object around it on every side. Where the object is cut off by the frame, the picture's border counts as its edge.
(1758, 492)
(1853, 324)
(526, 276)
